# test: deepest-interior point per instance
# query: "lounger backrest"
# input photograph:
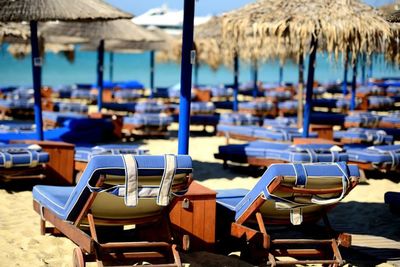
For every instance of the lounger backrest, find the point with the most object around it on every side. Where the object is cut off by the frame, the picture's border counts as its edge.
(284, 204)
(134, 185)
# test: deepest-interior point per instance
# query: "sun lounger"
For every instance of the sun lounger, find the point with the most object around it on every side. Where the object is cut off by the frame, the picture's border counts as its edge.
(393, 91)
(393, 200)
(259, 109)
(277, 96)
(288, 108)
(117, 190)
(390, 121)
(239, 119)
(263, 154)
(84, 154)
(70, 107)
(16, 108)
(150, 107)
(363, 136)
(384, 158)
(53, 119)
(288, 194)
(147, 124)
(362, 119)
(126, 95)
(380, 103)
(202, 108)
(252, 133)
(280, 122)
(20, 161)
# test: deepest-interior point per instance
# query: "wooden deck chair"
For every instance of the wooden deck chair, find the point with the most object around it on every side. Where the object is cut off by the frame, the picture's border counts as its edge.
(117, 191)
(289, 194)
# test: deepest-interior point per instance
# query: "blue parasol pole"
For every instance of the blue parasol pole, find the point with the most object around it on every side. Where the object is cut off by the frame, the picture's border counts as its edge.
(309, 89)
(280, 74)
(186, 77)
(100, 63)
(111, 66)
(354, 85)
(255, 78)
(235, 82)
(345, 63)
(37, 80)
(151, 73)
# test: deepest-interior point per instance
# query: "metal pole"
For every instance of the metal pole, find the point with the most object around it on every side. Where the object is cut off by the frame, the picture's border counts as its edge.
(111, 66)
(151, 73)
(354, 85)
(37, 80)
(235, 82)
(280, 74)
(346, 63)
(255, 78)
(309, 90)
(100, 63)
(186, 77)
(300, 91)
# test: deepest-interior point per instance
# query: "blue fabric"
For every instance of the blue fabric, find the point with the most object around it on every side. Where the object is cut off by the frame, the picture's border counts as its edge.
(61, 117)
(392, 198)
(321, 170)
(126, 94)
(86, 153)
(281, 122)
(238, 119)
(148, 119)
(70, 107)
(16, 104)
(387, 154)
(130, 107)
(257, 106)
(67, 202)
(150, 107)
(21, 155)
(363, 119)
(371, 136)
(132, 84)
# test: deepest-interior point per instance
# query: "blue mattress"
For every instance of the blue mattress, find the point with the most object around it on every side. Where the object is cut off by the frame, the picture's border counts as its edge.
(86, 153)
(278, 95)
(202, 108)
(380, 102)
(16, 104)
(223, 104)
(126, 94)
(83, 94)
(239, 119)
(16, 127)
(388, 155)
(280, 122)
(393, 119)
(221, 91)
(148, 119)
(324, 103)
(61, 117)
(371, 136)
(393, 199)
(240, 200)
(257, 106)
(327, 118)
(22, 155)
(284, 152)
(132, 84)
(129, 107)
(66, 202)
(288, 105)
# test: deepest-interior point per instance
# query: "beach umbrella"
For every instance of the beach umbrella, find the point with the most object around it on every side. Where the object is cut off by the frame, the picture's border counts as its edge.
(100, 32)
(33, 11)
(338, 26)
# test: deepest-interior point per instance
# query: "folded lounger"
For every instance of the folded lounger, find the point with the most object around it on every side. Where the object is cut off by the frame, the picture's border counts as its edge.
(19, 161)
(263, 154)
(147, 124)
(258, 108)
(289, 194)
(365, 136)
(362, 119)
(386, 157)
(117, 190)
(84, 154)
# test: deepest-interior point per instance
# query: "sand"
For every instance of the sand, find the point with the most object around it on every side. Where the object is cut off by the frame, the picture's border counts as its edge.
(22, 245)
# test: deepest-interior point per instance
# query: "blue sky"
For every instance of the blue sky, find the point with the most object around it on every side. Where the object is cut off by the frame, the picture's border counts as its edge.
(203, 7)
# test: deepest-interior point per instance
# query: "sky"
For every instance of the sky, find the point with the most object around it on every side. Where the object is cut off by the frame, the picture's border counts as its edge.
(203, 7)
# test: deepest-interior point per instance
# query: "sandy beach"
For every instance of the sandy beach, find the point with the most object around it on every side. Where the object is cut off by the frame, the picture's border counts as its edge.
(362, 212)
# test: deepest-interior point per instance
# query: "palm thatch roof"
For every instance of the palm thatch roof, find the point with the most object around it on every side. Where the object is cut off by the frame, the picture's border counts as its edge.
(341, 25)
(391, 12)
(121, 29)
(45, 10)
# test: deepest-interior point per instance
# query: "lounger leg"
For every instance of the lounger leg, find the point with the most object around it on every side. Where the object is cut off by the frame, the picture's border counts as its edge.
(93, 234)
(263, 230)
(42, 226)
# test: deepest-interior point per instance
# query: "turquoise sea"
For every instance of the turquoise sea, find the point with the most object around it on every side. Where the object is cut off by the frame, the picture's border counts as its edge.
(58, 71)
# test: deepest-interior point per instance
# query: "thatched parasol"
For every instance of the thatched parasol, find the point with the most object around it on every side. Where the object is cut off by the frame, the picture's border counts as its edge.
(33, 11)
(341, 26)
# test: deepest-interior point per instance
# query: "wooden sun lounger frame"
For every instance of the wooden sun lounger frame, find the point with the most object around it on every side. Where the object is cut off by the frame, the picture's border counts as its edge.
(90, 249)
(279, 247)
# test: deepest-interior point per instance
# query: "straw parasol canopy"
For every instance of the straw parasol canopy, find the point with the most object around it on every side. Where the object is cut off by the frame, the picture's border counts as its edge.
(121, 29)
(46, 10)
(22, 50)
(341, 26)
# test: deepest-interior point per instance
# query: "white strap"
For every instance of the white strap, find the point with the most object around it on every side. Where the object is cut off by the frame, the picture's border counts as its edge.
(131, 180)
(296, 216)
(167, 179)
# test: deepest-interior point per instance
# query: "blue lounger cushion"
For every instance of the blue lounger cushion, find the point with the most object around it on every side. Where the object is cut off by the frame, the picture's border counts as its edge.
(150, 107)
(202, 108)
(257, 106)
(61, 117)
(363, 119)
(278, 95)
(393, 199)
(84, 154)
(22, 155)
(67, 202)
(280, 122)
(288, 105)
(148, 119)
(70, 107)
(326, 174)
(16, 104)
(377, 155)
(372, 136)
(238, 119)
(127, 94)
